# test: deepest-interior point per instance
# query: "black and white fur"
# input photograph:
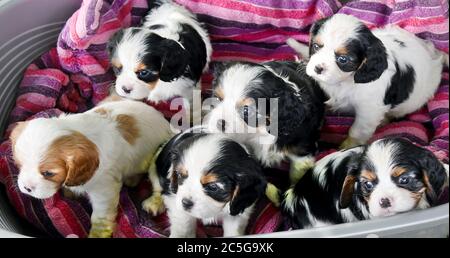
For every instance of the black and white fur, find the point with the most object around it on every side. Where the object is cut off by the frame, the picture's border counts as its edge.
(290, 129)
(208, 177)
(384, 73)
(162, 59)
(387, 177)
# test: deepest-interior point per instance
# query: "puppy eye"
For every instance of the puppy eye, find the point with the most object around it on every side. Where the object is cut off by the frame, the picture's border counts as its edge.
(342, 59)
(404, 180)
(212, 187)
(147, 75)
(315, 46)
(368, 185)
(47, 174)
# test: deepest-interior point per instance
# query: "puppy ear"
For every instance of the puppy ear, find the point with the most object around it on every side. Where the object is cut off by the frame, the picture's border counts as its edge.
(81, 157)
(435, 176)
(348, 186)
(375, 62)
(249, 188)
(174, 60)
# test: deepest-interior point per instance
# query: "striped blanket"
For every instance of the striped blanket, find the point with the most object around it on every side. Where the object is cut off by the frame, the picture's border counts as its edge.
(75, 75)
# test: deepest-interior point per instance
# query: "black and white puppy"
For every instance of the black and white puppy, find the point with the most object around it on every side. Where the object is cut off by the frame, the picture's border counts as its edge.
(209, 177)
(387, 177)
(163, 58)
(384, 73)
(274, 108)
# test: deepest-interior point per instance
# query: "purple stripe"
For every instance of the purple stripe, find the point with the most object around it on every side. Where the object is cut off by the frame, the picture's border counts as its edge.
(433, 36)
(438, 121)
(422, 12)
(438, 112)
(235, 24)
(369, 6)
(417, 3)
(43, 81)
(39, 89)
(443, 89)
(375, 18)
(303, 4)
(250, 48)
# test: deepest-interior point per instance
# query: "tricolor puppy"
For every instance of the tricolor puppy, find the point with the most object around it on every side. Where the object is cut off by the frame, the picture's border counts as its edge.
(90, 153)
(208, 177)
(162, 59)
(379, 74)
(387, 177)
(274, 108)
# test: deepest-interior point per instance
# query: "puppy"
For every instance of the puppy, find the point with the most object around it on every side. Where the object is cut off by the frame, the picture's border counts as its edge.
(90, 153)
(209, 177)
(162, 59)
(274, 108)
(387, 177)
(379, 74)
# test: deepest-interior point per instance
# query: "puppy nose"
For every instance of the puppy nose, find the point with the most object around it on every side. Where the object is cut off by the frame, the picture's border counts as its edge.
(29, 189)
(385, 203)
(126, 90)
(318, 69)
(187, 203)
(221, 125)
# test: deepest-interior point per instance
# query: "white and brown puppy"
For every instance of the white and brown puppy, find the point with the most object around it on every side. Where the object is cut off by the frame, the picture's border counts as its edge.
(90, 153)
(208, 177)
(162, 59)
(384, 73)
(387, 177)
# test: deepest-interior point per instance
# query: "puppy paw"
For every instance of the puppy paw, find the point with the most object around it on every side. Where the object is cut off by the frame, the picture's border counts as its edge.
(273, 194)
(101, 228)
(349, 143)
(154, 204)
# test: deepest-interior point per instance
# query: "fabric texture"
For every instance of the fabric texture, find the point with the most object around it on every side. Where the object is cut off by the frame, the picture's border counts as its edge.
(75, 75)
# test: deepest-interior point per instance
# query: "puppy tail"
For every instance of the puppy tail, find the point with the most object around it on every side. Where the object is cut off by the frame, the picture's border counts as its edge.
(301, 49)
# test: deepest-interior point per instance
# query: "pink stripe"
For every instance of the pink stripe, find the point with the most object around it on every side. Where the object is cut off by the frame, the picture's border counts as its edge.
(417, 131)
(227, 14)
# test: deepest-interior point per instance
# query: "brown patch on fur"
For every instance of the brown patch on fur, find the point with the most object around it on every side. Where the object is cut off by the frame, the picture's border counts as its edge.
(116, 63)
(139, 67)
(208, 178)
(342, 51)
(182, 171)
(128, 128)
(112, 98)
(317, 40)
(16, 132)
(347, 191)
(369, 175)
(398, 171)
(73, 158)
(429, 188)
(219, 93)
(101, 111)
